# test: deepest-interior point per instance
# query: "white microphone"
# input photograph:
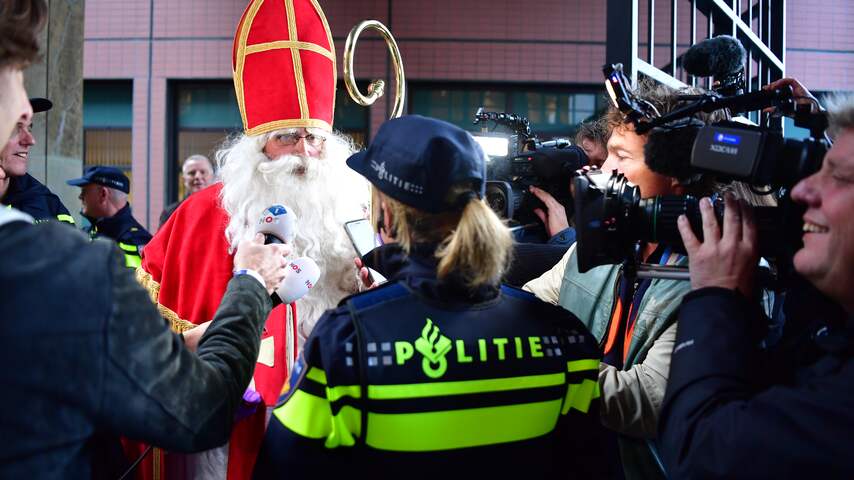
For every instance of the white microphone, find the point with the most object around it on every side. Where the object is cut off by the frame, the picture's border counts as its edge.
(278, 224)
(302, 275)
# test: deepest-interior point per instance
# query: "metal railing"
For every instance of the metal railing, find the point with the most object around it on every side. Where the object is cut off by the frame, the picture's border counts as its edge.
(760, 25)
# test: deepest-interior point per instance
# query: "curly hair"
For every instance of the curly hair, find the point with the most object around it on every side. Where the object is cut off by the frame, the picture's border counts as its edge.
(21, 22)
(665, 99)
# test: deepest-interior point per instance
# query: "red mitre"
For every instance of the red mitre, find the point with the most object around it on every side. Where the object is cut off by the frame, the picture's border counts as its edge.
(284, 66)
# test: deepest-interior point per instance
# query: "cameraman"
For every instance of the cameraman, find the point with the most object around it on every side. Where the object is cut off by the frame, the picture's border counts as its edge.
(635, 321)
(720, 418)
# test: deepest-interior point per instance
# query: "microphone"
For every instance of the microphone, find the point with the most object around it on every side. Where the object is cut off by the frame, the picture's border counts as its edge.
(302, 276)
(277, 224)
(668, 149)
(722, 57)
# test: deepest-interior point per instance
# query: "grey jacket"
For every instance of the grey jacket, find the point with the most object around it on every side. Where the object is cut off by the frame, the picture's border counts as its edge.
(85, 353)
(631, 398)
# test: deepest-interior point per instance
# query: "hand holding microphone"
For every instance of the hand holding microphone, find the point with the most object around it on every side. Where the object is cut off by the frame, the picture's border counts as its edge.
(278, 225)
(268, 260)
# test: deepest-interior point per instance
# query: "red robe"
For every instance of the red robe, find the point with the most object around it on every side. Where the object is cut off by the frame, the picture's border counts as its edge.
(186, 268)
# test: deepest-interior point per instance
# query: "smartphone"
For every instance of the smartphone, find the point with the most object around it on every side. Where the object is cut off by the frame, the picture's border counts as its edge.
(364, 240)
(362, 235)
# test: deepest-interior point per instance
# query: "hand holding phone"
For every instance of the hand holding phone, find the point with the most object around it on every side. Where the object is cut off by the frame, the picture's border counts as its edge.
(364, 240)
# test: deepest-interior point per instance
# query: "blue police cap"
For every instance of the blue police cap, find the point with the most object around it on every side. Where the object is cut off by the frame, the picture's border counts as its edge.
(107, 176)
(416, 160)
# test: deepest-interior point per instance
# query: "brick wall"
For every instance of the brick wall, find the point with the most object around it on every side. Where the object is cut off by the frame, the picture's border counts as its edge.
(537, 42)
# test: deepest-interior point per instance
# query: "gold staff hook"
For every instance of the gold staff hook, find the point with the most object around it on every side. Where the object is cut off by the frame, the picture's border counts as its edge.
(377, 87)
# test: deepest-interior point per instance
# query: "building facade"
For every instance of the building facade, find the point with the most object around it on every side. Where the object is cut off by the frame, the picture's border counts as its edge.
(158, 72)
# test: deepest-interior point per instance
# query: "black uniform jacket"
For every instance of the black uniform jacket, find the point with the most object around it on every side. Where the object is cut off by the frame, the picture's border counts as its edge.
(722, 419)
(31, 197)
(125, 231)
(421, 378)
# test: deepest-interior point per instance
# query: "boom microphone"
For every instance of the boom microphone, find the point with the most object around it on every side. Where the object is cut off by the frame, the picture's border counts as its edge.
(722, 57)
(277, 224)
(715, 57)
(302, 276)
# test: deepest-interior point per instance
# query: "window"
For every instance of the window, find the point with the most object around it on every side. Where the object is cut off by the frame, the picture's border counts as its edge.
(107, 120)
(206, 113)
(552, 112)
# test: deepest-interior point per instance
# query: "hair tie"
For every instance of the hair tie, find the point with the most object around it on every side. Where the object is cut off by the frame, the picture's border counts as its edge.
(464, 198)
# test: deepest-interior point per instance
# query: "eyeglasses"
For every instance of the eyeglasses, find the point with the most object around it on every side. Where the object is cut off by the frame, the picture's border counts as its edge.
(290, 139)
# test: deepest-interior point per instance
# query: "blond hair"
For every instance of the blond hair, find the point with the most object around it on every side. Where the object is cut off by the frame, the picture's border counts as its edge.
(474, 244)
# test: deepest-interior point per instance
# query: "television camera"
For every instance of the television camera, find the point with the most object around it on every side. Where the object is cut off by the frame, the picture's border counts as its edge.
(612, 218)
(519, 160)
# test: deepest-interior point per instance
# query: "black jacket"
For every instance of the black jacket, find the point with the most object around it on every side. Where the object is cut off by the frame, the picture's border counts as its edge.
(421, 378)
(31, 197)
(84, 352)
(125, 231)
(722, 419)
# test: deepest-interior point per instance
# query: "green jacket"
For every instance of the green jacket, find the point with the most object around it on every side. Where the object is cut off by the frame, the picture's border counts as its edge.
(591, 297)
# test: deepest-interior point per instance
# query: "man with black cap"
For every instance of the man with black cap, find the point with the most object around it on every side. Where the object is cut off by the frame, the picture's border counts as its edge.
(104, 197)
(18, 188)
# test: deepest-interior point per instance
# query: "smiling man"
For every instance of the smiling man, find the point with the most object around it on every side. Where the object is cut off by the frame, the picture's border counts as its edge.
(726, 413)
(19, 189)
(634, 321)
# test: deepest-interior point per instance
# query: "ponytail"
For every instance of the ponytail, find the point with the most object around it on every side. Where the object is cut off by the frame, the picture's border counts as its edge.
(474, 244)
(479, 249)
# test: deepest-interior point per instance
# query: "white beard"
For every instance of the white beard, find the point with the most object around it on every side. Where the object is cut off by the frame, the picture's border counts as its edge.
(323, 197)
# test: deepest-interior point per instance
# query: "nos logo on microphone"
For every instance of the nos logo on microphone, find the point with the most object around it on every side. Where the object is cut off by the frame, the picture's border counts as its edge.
(272, 212)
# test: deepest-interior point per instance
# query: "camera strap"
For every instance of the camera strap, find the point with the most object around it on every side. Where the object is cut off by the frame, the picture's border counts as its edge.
(623, 318)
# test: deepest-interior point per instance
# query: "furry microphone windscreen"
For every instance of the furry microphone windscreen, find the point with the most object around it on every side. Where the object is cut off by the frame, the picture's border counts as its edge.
(716, 56)
(668, 148)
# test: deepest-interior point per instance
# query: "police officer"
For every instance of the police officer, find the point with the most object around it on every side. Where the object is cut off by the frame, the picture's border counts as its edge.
(103, 195)
(19, 189)
(441, 370)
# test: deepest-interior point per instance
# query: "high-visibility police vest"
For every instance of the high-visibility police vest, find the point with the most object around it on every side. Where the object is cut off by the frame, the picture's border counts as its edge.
(396, 382)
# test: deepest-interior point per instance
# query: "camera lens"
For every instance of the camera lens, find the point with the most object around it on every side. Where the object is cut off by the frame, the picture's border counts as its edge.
(656, 220)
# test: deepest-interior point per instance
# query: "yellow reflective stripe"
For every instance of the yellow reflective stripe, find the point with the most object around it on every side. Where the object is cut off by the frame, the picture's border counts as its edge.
(317, 375)
(310, 416)
(65, 218)
(430, 431)
(579, 396)
(346, 426)
(585, 364)
(306, 414)
(128, 247)
(335, 393)
(438, 389)
(132, 260)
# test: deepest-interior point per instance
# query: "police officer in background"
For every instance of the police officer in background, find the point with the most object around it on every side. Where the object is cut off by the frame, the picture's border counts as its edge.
(441, 369)
(104, 197)
(19, 189)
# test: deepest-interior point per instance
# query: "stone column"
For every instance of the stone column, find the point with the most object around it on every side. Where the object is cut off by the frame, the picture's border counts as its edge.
(58, 153)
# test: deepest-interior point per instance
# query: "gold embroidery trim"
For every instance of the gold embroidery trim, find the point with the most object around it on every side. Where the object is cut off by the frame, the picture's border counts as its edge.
(241, 57)
(293, 123)
(292, 44)
(156, 460)
(295, 46)
(176, 323)
(331, 49)
(295, 55)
